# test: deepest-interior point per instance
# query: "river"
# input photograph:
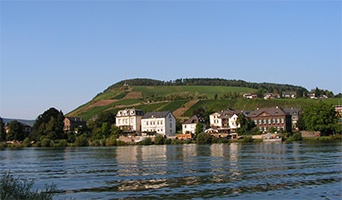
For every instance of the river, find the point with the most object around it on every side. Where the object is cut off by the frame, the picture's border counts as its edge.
(220, 171)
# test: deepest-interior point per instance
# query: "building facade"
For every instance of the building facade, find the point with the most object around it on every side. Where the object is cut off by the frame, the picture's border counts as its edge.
(266, 118)
(129, 120)
(189, 126)
(71, 123)
(226, 119)
(163, 123)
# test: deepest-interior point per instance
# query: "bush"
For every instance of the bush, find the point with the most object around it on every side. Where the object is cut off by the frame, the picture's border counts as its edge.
(204, 138)
(46, 142)
(111, 141)
(297, 137)
(146, 141)
(159, 139)
(62, 143)
(81, 141)
(27, 142)
(13, 188)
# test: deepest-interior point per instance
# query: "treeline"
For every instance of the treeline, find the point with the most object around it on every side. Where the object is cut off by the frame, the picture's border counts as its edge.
(206, 82)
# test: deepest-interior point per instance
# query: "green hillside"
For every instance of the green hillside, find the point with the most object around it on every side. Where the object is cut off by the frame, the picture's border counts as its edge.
(180, 99)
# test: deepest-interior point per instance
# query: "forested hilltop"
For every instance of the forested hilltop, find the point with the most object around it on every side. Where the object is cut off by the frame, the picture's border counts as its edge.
(207, 82)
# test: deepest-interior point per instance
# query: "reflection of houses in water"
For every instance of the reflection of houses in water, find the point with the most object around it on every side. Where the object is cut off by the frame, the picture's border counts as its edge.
(233, 158)
(272, 153)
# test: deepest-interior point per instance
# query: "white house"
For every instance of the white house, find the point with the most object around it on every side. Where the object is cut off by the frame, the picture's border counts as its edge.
(225, 119)
(163, 123)
(129, 119)
(190, 125)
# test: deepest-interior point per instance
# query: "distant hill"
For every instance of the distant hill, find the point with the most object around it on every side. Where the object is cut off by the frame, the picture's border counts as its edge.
(182, 96)
(24, 121)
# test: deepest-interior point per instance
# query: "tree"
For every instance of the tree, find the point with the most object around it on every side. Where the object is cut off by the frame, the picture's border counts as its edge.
(199, 128)
(246, 125)
(299, 93)
(49, 124)
(2, 131)
(319, 117)
(15, 131)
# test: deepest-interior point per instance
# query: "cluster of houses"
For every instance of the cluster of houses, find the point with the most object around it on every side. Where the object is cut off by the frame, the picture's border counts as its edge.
(283, 95)
(133, 120)
(223, 122)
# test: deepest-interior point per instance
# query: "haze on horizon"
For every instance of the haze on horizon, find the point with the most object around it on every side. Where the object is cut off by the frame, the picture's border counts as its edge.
(62, 53)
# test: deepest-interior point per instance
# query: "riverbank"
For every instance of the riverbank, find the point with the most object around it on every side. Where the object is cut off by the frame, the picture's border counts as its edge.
(108, 142)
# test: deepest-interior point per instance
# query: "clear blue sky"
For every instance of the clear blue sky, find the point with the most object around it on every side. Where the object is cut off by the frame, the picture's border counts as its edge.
(62, 53)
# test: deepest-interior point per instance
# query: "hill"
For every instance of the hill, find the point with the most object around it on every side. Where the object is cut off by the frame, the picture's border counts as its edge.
(182, 96)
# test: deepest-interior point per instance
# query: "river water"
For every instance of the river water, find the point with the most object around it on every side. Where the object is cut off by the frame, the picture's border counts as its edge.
(218, 171)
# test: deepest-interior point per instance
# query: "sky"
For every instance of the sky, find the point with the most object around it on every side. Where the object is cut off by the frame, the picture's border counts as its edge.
(61, 54)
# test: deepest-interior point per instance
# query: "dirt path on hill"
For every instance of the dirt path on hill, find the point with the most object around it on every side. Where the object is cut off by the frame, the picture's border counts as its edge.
(103, 103)
(180, 111)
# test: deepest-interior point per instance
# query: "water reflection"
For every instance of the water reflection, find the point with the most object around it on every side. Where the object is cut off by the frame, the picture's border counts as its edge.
(183, 171)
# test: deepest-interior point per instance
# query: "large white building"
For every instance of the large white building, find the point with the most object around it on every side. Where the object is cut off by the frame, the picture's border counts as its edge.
(163, 123)
(129, 120)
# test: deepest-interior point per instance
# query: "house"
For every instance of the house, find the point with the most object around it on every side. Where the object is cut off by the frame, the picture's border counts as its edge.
(163, 123)
(26, 128)
(70, 123)
(288, 95)
(129, 120)
(266, 118)
(249, 96)
(269, 96)
(225, 119)
(294, 112)
(189, 126)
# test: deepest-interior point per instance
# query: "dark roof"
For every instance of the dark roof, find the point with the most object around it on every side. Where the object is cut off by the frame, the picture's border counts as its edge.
(75, 119)
(195, 119)
(161, 114)
(229, 112)
(293, 111)
(277, 111)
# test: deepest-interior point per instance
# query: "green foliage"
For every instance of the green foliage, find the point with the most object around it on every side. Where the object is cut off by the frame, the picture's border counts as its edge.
(203, 138)
(27, 142)
(16, 131)
(49, 124)
(2, 130)
(297, 137)
(159, 139)
(46, 142)
(247, 139)
(146, 141)
(14, 188)
(199, 128)
(319, 117)
(246, 125)
(81, 141)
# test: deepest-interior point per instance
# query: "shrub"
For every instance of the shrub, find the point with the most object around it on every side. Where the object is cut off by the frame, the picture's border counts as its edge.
(27, 142)
(13, 188)
(146, 141)
(247, 139)
(111, 141)
(297, 137)
(62, 143)
(204, 138)
(81, 141)
(46, 142)
(167, 141)
(159, 139)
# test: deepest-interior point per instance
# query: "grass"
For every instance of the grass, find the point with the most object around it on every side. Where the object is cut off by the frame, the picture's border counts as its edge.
(172, 106)
(210, 91)
(15, 188)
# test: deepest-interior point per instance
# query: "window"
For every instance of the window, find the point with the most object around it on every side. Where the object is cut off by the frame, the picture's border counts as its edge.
(170, 125)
